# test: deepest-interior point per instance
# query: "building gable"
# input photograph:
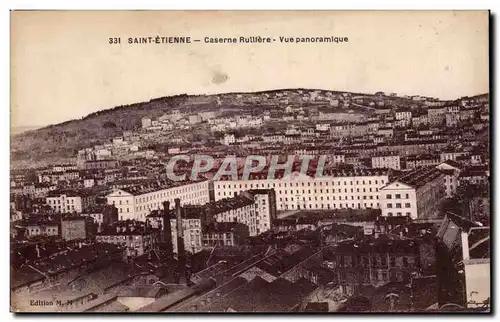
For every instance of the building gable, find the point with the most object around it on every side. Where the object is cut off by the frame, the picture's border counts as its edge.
(396, 185)
(118, 193)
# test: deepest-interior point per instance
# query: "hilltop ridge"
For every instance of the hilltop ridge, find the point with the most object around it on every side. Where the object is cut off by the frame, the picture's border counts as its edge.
(63, 140)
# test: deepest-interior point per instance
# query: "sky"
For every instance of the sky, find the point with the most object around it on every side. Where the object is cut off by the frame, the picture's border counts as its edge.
(62, 66)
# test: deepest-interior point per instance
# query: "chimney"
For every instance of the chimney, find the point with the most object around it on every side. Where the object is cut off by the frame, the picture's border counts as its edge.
(180, 243)
(37, 251)
(167, 230)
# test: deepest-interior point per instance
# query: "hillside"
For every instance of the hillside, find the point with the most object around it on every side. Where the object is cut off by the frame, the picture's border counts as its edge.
(62, 141)
(65, 139)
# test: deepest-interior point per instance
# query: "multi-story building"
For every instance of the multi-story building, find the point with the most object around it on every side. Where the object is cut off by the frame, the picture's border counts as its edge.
(255, 208)
(463, 262)
(64, 167)
(146, 122)
(336, 190)
(99, 164)
(336, 158)
(418, 120)
(422, 160)
(265, 208)
(137, 201)
(76, 228)
(410, 148)
(41, 228)
(403, 115)
(135, 237)
(474, 175)
(436, 115)
(229, 139)
(49, 176)
(386, 131)
(415, 195)
(69, 201)
(452, 116)
(103, 215)
(452, 171)
(364, 264)
(387, 162)
(350, 129)
(452, 155)
(224, 234)
(37, 190)
(193, 221)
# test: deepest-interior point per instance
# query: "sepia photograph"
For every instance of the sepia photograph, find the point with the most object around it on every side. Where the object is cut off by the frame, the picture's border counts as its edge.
(250, 161)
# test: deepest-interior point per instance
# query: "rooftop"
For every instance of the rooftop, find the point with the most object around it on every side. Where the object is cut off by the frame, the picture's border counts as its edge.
(153, 186)
(420, 177)
(260, 296)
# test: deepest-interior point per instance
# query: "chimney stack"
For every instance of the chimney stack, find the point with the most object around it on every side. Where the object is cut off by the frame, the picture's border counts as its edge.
(167, 230)
(37, 251)
(180, 243)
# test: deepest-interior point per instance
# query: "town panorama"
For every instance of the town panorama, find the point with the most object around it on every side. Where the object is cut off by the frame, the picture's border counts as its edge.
(136, 208)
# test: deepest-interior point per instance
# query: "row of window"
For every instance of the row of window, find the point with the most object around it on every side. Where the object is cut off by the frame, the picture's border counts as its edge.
(398, 205)
(228, 194)
(347, 261)
(72, 207)
(397, 196)
(33, 231)
(296, 184)
(119, 237)
(169, 194)
(58, 201)
(327, 198)
(156, 205)
(329, 206)
(390, 214)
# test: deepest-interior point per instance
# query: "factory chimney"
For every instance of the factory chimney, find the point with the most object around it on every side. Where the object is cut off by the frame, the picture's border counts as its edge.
(180, 243)
(167, 231)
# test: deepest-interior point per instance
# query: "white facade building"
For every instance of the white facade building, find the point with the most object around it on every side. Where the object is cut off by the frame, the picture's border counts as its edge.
(254, 208)
(386, 161)
(452, 172)
(415, 195)
(343, 190)
(229, 139)
(146, 122)
(403, 115)
(67, 202)
(138, 201)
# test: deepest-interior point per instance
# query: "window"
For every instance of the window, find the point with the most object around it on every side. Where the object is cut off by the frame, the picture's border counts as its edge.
(388, 196)
(407, 205)
(398, 205)
(389, 205)
(398, 196)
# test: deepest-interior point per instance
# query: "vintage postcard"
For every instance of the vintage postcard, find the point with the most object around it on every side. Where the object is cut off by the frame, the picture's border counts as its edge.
(250, 161)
